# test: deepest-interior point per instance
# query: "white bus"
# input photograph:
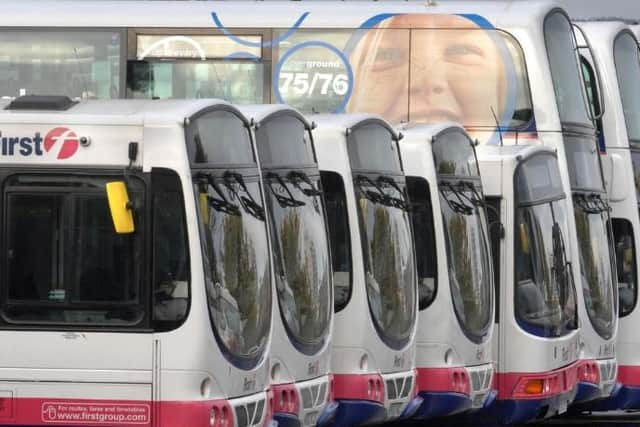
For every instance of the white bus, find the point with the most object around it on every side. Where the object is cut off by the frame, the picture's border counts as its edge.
(374, 339)
(301, 352)
(454, 358)
(615, 52)
(162, 321)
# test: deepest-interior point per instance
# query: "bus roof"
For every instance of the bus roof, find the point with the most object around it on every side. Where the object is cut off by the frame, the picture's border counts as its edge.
(603, 31)
(261, 112)
(115, 112)
(341, 122)
(277, 14)
(418, 132)
(511, 153)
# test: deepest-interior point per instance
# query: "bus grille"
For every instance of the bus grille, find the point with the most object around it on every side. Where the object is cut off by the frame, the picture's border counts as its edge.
(314, 395)
(250, 414)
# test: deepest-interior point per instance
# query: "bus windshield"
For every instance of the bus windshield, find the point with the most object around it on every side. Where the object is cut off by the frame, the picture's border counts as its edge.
(65, 264)
(236, 260)
(387, 242)
(565, 72)
(591, 211)
(625, 54)
(594, 241)
(300, 243)
(545, 301)
(466, 238)
(388, 254)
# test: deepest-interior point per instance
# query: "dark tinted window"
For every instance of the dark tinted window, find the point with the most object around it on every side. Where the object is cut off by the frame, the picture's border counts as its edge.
(454, 155)
(75, 63)
(339, 237)
(563, 61)
(496, 234)
(284, 141)
(538, 178)
(583, 162)
(372, 147)
(424, 238)
(219, 138)
(635, 159)
(624, 243)
(237, 81)
(65, 263)
(625, 53)
(171, 270)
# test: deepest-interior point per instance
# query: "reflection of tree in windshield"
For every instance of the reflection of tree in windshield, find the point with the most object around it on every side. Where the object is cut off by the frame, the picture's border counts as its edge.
(462, 263)
(387, 290)
(299, 255)
(447, 167)
(594, 267)
(240, 276)
(384, 266)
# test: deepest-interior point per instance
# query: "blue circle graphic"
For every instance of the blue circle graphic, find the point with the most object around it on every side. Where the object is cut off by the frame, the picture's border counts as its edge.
(304, 45)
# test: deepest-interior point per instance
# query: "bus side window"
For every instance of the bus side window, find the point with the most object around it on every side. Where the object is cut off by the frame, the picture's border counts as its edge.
(626, 265)
(171, 271)
(339, 237)
(426, 259)
(496, 233)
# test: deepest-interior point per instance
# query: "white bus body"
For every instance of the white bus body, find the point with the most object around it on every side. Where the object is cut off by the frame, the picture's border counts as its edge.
(375, 292)
(301, 351)
(615, 53)
(69, 353)
(454, 362)
(562, 121)
(525, 214)
(306, 54)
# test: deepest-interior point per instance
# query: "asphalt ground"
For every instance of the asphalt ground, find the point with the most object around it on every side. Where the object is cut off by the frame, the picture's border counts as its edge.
(596, 419)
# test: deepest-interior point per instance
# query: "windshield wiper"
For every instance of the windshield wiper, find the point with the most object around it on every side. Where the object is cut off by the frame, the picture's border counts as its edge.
(591, 203)
(476, 200)
(377, 196)
(248, 203)
(464, 205)
(221, 204)
(398, 202)
(286, 201)
(297, 176)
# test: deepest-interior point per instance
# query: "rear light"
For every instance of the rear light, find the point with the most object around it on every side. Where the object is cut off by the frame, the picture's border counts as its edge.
(375, 389)
(588, 371)
(534, 386)
(220, 415)
(358, 387)
(540, 386)
(286, 398)
(460, 381)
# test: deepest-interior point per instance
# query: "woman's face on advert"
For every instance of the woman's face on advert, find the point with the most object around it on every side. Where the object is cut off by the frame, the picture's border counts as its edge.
(427, 69)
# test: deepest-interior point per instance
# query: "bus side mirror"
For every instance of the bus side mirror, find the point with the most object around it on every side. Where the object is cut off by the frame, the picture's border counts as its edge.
(120, 207)
(524, 239)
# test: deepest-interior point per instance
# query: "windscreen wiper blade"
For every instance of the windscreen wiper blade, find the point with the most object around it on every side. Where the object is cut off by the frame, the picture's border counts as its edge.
(298, 176)
(247, 201)
(377, 196)
(221, 203)
(398, 202)
(286, 201)
(477, 199)
(463, 205)
(591, 203)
